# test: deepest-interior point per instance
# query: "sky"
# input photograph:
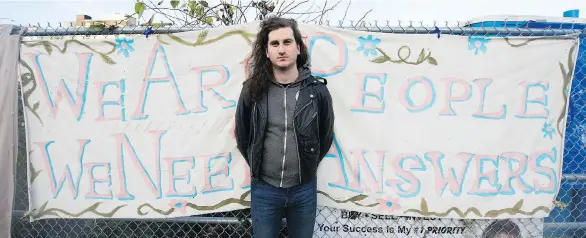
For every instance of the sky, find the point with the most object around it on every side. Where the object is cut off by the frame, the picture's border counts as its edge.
(418, 11)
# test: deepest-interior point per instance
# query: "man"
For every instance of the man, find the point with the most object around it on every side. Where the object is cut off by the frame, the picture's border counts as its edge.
(284, 128)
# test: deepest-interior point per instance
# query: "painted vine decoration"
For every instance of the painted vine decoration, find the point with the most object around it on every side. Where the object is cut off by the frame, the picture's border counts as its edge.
(33, 172)
(424, 210)
(26, 79)
(354, 199)
(43, 211)
(567, 76)
(527, 41)
(403, 55)
(160, 211)
(201, 38)
(516, 209)
(49, 48)
(241, 201)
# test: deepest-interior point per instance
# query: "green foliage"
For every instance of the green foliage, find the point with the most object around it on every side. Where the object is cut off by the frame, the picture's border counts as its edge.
(139, 8)
(211, 13)
(174, 3)
(204, 13)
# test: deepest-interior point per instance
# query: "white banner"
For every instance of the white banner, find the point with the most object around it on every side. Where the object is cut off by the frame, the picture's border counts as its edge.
(344, 223)
(426, 126)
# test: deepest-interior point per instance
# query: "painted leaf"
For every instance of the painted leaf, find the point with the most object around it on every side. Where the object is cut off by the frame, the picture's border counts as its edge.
(563, 69)
(107, 59)
(518, 205)
(380, 59)
(35, 174)
(421, 57)
(432, 60)
(570, 58)
(424, 205)
(358, 198)
(47, 47)
(36, 106)
(560, 204)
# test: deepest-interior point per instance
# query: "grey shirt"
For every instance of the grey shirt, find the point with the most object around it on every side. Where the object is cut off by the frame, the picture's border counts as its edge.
(280, 164)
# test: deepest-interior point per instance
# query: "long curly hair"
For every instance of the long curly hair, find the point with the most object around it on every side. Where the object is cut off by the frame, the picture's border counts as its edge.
(262, 68)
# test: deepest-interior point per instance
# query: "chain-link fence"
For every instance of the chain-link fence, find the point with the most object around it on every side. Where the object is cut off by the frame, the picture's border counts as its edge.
(568, 219)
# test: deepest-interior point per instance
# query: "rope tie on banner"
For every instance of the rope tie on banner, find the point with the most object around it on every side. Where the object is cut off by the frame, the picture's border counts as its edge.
(148, 31)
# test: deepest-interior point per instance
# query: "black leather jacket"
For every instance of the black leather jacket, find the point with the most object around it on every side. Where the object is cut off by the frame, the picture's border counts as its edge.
(314, 127)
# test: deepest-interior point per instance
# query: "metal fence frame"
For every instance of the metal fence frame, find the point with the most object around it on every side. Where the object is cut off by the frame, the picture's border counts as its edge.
(400, 28)
(465, 29)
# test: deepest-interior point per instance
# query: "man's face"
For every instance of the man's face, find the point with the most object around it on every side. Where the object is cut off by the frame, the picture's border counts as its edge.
(282, 49)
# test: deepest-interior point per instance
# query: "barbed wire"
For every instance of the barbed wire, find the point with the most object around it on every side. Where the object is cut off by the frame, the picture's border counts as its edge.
(513, 28)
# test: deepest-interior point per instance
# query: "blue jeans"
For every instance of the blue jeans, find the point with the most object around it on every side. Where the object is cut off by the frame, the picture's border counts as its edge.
(270, 203)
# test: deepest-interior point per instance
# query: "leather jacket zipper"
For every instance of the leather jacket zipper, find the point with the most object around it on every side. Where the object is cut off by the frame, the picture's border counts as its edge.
(251, 147)
(297, 146)
(301, 109)
(309, 121)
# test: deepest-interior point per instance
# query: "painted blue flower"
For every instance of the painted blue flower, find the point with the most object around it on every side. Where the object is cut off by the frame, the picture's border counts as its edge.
(547, 130)
(388, 204)
(179, 205)
(368, 45)
(477, 44)
(124, 46)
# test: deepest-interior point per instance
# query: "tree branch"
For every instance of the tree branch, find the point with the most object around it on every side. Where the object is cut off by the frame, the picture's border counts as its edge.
(346, 12)
(287, 9)
(159, 10)
(325, 11)
(198, 12)
(362, 17)
(243, 11)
